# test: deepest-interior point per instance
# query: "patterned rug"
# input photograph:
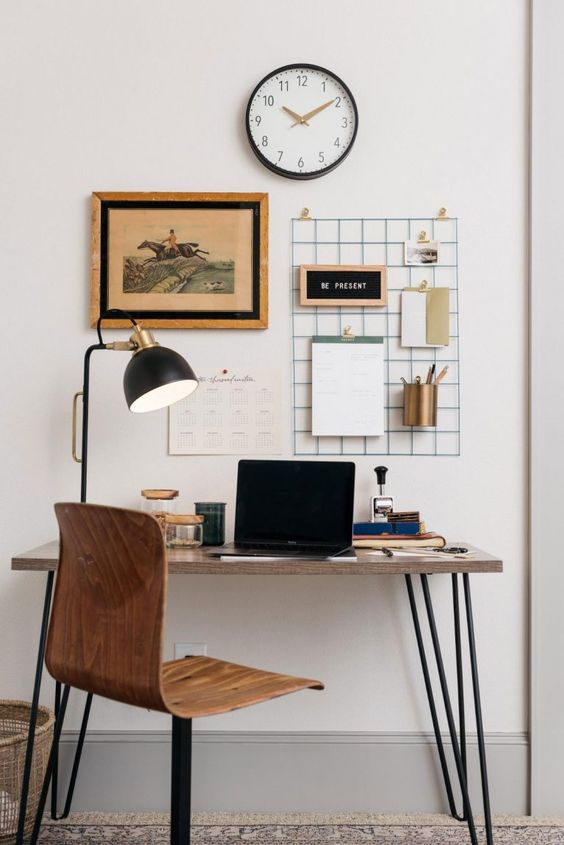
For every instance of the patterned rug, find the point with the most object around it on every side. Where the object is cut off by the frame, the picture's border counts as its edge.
(299, 829)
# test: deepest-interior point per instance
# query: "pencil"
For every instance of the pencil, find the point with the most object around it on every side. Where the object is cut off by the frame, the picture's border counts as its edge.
(442, 374)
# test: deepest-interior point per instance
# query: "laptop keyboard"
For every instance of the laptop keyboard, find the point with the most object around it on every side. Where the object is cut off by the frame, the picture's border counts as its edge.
(290, 550)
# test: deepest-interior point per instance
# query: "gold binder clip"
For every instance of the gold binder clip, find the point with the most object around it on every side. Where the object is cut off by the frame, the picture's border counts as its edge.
(305, 215)
(423, 286)
(348, 333)
(442, 215)
(422, 237)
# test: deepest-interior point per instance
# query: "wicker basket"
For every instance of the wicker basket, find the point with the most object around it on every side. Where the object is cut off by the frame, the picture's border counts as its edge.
(14, 725)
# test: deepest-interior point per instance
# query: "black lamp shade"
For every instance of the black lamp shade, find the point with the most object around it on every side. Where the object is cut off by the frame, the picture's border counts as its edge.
(157, 377)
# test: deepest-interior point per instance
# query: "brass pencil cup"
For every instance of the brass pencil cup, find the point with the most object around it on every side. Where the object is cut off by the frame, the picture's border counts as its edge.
(420, 404)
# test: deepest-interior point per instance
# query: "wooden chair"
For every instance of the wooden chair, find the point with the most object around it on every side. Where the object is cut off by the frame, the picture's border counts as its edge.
(106, 637)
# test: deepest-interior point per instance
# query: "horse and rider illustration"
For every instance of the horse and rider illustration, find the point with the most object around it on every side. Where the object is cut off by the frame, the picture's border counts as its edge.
(170, 248)
(177, 268)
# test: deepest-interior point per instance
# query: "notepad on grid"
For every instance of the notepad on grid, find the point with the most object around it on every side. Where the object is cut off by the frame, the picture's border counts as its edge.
(347, 391)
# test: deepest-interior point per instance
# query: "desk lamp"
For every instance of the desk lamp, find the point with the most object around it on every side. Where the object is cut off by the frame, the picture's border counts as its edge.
(154, 378)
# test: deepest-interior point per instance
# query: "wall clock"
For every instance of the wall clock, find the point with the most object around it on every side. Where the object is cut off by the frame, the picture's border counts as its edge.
(301, 121)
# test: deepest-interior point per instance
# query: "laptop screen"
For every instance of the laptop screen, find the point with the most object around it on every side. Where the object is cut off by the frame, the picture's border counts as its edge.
(295, 502)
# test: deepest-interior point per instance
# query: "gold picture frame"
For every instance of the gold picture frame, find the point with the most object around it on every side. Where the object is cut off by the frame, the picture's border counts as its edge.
(180, 260)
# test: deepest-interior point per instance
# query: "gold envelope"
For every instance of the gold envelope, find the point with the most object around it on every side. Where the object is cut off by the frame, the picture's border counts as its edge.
(437, 316)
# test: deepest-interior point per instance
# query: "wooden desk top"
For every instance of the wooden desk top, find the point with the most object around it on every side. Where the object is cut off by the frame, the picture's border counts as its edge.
(198, 562)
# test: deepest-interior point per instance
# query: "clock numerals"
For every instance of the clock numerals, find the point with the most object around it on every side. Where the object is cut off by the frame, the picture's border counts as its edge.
(321, 157)
(258, 119)
(302, 80)
(268, 100)
(300, 163)
(337, 102)
(264, 142)
(284, 84)
(280, 154)
(337, 142)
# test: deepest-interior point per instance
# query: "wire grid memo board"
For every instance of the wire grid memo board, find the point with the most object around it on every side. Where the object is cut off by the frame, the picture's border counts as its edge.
(378, 240)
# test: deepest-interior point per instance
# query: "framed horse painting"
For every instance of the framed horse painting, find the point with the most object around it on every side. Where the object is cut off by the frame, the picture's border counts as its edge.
(181, 260)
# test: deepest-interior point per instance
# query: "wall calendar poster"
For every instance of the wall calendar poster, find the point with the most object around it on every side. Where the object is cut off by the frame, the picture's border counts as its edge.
(234, 412)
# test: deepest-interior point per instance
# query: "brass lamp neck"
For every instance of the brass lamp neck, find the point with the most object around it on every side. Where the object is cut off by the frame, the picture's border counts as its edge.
(142, 339)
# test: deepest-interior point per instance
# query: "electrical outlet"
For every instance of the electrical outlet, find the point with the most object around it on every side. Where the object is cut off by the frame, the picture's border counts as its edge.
(189, 649)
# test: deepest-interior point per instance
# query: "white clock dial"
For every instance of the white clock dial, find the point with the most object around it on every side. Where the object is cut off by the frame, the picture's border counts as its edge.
(301, 121)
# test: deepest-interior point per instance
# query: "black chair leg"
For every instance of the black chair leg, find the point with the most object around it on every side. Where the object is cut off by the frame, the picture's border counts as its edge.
(181, 781)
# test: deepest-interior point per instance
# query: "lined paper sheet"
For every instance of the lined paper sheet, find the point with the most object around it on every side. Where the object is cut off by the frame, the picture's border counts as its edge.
(347, 393)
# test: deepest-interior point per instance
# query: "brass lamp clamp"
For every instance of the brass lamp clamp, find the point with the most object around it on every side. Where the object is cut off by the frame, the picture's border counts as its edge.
(140, 339)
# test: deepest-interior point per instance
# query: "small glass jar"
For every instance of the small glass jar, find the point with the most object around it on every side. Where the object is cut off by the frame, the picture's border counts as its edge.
(155, 501)
(183, 530)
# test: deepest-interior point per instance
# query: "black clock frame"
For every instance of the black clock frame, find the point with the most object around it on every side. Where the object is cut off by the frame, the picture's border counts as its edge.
(288, 174)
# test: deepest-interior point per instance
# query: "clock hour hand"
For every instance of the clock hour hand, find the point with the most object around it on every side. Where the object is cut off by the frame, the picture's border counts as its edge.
(297, 117)
(317, 110)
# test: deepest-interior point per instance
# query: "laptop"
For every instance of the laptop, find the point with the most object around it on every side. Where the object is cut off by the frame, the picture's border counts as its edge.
(293, 509)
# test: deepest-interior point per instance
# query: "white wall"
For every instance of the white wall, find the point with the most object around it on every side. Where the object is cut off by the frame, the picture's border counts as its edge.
(547, 398)
(106, 95)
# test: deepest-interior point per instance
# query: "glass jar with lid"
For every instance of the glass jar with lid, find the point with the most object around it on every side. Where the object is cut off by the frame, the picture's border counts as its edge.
(157, 500)
(183, 530)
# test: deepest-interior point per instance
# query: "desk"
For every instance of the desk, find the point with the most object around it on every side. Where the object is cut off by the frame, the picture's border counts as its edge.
(198, 562)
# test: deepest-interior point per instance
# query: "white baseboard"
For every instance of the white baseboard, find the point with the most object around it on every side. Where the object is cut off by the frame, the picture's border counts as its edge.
(283, 772)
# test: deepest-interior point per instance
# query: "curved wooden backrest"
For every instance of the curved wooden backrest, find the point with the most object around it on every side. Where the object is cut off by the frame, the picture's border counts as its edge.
(106, 628)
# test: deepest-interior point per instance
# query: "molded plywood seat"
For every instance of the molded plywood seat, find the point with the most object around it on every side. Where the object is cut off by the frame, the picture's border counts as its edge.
(106, 637)
(204, 686)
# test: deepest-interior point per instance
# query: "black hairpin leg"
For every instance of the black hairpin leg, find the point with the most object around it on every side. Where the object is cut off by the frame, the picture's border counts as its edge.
(460, 683)
(55, 776)
(75, 765)
(458, 746)
(478, 709)
(34, 708)
(33, 723)
(49, 772)
(431, 698)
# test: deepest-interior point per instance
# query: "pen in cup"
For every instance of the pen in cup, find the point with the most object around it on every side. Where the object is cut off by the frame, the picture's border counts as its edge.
(430, 374)
(441, 375)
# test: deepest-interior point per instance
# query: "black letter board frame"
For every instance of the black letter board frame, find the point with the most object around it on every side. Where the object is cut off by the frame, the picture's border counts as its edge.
(377, 241)
(343, 284)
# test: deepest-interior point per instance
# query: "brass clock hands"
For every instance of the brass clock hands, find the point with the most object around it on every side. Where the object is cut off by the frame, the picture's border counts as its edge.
(303, 119)
(313, 112)
(297, 117)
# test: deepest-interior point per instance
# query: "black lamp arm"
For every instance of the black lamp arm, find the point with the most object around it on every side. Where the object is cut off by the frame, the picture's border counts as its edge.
(86, 391)
(108, 313)
(85, 404)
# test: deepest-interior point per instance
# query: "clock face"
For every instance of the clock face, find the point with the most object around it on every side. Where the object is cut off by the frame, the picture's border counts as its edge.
(301, 121)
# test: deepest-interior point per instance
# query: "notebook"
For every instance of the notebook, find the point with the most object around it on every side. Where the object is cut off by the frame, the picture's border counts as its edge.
(293, 509)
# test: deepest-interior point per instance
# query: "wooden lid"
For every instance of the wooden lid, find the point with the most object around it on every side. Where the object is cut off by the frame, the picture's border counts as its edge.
(159, 494)
(183, 519)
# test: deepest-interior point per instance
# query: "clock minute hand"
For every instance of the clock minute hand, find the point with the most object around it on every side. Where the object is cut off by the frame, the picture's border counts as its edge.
(297, 117)
(317, 110)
